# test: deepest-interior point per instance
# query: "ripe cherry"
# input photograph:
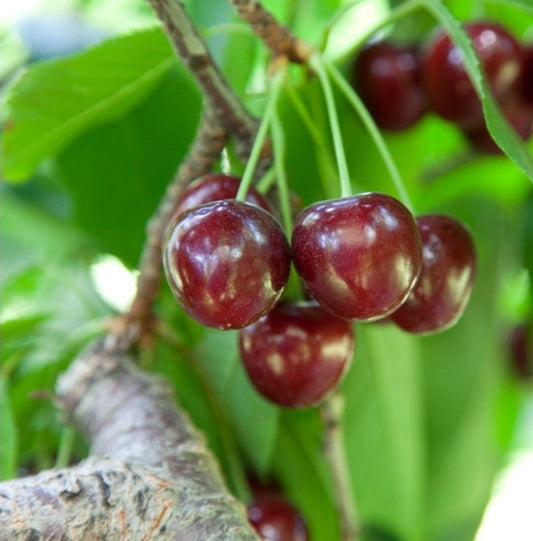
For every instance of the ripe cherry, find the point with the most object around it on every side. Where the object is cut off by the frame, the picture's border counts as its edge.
(215, 187)
(359, 256)
(388, 80)
(527, 78)
(448, 87)
(443, 288)
(297, 353)
(521, 351)
(277, 520)
(226, 262)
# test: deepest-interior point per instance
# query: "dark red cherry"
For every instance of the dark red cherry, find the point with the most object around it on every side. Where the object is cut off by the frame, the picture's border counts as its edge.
(443, 288)
(387, 79)
(449, 90)
(226, 262)
(521, 351)
(520, 117)
(359, 256)
(297, 353)
(214, 187)
(527, 77)
(277, 520)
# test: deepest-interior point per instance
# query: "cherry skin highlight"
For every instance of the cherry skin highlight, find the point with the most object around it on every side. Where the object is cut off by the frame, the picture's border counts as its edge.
(450, 92)
(387, 79)
(215, 187)
(277, 520)
(226, 262)
(443, 288)
(359, 256)
(297, 353)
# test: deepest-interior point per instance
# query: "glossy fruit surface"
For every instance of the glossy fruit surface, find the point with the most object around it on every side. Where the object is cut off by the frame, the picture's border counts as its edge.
(297, 353)
(215, 187)
(443, 288)
(449, 90)
(358, 256)
(226, 262)
(277, 520)
(519, 116)
(387, 79)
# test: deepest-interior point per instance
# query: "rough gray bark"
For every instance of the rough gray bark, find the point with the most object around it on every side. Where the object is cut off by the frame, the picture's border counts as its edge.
(150, 474)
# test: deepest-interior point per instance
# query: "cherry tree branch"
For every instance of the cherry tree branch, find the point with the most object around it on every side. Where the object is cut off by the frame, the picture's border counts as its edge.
(278, 38)
(204, 152)
(194, 53)
(150, 475)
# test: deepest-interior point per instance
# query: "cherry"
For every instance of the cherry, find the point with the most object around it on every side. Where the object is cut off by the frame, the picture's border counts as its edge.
(527, 78)
(227, 262)
(297, 353)
(387, 79)
(214, 187)
(448, 87)
(520, 117)
(521, 352)
(359, 256)
(443, 288)
(277, 520)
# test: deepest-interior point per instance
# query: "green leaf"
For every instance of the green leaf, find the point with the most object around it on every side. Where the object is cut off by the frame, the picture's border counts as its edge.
(254, 420)
(298, 463)
(462, 389)
(498, 126)
(8, 429)
(54, 102)
(384, 429)
(117, 173)
(523, 5)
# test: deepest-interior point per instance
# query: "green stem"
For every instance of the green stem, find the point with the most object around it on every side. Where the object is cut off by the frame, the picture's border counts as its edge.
(278, 144)
(373, 130)
(267, 181)
(324, 159)
(316, 63)
(260, 138)
(65, 447)
(332, 410)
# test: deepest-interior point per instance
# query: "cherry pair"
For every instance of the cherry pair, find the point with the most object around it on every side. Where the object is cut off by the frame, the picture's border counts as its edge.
(399, 84)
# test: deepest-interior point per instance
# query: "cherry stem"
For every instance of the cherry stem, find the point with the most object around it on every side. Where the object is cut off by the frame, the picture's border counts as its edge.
(267, 181)
(279, 147)
(66, 443)
(255, 154)
(373, 130)
(313, 130)
(316, 62)
(332, 410)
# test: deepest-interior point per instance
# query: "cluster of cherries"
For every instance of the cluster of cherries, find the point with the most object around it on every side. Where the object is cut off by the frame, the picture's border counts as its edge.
(400, 84)
(362, 258)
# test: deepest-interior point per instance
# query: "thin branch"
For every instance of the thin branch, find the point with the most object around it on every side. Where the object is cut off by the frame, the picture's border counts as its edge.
(278, 38)
(150, 476)
(193, 52)
(335, 455)
(204, 152)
